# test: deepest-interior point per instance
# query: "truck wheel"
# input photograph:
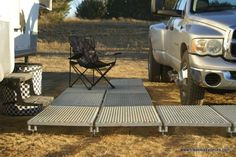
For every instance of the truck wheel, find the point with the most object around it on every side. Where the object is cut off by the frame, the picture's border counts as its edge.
(190, 93)
(164, 73)
(154, 68)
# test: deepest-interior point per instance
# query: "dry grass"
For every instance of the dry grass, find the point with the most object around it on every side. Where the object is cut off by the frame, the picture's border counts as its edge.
(72, 141)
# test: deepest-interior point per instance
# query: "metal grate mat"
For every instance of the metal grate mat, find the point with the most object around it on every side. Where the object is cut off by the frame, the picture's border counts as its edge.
(229, 112)
(128, 116)
(131, 99)
(65, 116)
(79, 96)
(202, 116)
(127, 82)
(127, 89)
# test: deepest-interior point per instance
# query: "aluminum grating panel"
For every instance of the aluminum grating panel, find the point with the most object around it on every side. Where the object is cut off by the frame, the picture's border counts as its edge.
(127, 82)
(127, 89)
(123, 99)
(65, 116)
(128, 116)
(191, 116)
(79, 99)
(80, 96)
(82, 88)
(227, 111)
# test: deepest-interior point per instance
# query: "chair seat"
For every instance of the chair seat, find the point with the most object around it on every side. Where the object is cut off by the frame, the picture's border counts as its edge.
(98, 64)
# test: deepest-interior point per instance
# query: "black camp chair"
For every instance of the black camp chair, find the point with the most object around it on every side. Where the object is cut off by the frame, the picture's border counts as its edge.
(83, 53)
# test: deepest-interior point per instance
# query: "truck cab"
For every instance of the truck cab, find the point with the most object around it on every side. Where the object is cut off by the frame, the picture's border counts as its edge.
(196, 46)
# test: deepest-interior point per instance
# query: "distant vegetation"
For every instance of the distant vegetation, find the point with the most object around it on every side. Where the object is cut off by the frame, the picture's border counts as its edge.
(137, 9)
(100, 9)
(91, 9)
(60, 10)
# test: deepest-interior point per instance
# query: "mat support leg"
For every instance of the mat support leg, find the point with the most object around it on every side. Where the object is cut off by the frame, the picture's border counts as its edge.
(35, 128)
(163, 130)
(32, 128)
(91, 129)
(230, 131)
(233, 129)
(29, 127)
(94, 130)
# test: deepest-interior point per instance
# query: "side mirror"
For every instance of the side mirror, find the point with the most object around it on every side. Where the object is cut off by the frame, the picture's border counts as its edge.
(47, 4)
(158, 8)
(157, 5)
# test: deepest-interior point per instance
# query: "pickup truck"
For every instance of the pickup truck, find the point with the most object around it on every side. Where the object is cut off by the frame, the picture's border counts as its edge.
(196, 47)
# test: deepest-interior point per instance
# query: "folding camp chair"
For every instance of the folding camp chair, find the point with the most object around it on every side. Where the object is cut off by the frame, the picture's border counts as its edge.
(83, 53)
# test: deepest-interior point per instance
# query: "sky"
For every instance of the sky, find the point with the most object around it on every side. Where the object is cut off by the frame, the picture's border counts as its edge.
(73, 6)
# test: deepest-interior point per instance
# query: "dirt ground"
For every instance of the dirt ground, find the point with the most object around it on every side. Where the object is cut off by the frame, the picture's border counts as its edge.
(15, 140)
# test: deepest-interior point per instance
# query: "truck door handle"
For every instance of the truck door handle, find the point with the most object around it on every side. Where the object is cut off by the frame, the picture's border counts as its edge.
(171, 28)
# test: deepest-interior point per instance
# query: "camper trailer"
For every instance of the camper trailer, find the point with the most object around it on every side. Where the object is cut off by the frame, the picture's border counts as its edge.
(18, 31)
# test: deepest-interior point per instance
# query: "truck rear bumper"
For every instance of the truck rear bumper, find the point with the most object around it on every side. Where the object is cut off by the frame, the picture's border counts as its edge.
(213, 72)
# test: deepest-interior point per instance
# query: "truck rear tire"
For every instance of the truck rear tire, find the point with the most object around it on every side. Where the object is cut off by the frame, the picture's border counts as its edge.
(190, 93)
(154, 68)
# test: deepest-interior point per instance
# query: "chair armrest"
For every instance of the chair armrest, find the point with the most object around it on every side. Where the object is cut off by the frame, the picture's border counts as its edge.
(108, 55)
(117, 53)
(75, 56)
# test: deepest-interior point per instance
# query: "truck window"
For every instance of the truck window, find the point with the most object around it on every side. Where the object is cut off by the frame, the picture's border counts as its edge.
(180, 5)
(212, 5)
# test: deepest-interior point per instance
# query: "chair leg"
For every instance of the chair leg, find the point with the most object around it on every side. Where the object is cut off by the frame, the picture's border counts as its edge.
(85, 80)
(93, 76)
(70, 68)
(81, 76)
(70, 76)
(71, 84)
(103, 76)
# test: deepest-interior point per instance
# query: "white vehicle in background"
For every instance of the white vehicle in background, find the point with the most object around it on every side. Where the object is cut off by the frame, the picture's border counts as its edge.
(18, 31)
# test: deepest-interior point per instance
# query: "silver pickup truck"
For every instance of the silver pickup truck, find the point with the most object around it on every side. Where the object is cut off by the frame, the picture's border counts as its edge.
(196, 47)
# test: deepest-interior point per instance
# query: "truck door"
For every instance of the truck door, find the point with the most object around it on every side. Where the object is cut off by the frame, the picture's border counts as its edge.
(173, 36)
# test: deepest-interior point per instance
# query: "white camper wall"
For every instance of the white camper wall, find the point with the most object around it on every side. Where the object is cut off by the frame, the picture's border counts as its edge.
(9, 11)
(8, 22)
